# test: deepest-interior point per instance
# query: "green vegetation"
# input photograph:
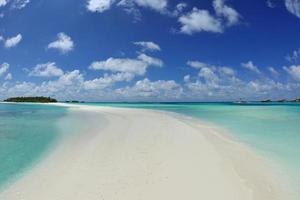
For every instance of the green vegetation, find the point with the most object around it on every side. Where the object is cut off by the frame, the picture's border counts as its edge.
(280, 100)
(74, 101)
(32, 99)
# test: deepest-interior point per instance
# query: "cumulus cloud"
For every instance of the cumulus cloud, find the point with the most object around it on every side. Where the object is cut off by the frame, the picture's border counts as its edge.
(293, 6)
(158, 5)
(121, 65)
(137, 66)
(3, 2)
(107, 80)
(63, 44)
(8, 77)
(231, 15)
(13, 41)
(199, 20)
(103, 5)
(148, 46)
(270, 4)
(99, 5)
(222, 83)
(4, 68)
(197, 64)
(294, 57)
(293, 71)
(67, 85)
(210, 76)
(148, 90)
(19, 4)
(208, 84)
(227, 71)
(250, 66)
(273, 71)
(151, 61)
(46, 70)
(180, 8)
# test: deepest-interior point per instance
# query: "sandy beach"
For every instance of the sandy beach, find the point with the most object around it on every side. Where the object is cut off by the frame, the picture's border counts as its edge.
(146, 155)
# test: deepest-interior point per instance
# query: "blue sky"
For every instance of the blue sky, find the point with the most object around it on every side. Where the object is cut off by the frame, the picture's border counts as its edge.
(150, 50)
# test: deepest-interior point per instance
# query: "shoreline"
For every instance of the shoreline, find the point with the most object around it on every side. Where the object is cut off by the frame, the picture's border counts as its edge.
(149, 155)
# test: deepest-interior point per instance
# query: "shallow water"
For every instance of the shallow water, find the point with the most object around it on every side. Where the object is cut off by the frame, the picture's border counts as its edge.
(29, 132)
(26, 132)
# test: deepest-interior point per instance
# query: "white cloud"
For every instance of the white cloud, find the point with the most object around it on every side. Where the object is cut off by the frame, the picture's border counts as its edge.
(250, 66)
(202, 20)
(227, 71)
(20, 4)
(230, 87)
(4, 68)
(121, 65)
(211, 85)
(158, 5)
(3, 2)
(148, 90)
(180, 7)
(46, 70)
(13, 41)
(8, 77)
(99, 5)
(293, 6)
(270, 4)
(294, 57)
(209, 75)
(273, 71)
(211, 72)
(231, 15)
(199, 20)
(293, 71)
(148, 46)
(129, 5)
(151, 60)
(107, 80)
(136, 66)
(197, 64)
(63, 43)
(68, 84)
(187, 78)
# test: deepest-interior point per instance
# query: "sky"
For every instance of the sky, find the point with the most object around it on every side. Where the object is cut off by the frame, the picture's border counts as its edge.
(150, 50)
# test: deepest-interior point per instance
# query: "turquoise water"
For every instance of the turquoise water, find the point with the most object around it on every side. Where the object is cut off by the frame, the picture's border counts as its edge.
(26, 132)
(273, 130)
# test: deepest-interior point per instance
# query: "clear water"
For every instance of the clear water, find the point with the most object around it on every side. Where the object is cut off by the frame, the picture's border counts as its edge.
(26, 133)
(273, 130)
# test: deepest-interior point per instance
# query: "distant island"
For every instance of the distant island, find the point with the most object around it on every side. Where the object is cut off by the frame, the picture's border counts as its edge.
(75, 101)
(31, 99)
(280, 100)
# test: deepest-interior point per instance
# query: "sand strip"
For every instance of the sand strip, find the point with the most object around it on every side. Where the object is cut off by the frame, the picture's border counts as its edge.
(147, 155)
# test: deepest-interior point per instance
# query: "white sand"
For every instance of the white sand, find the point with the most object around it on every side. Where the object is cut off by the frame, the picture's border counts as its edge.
(146, 155)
